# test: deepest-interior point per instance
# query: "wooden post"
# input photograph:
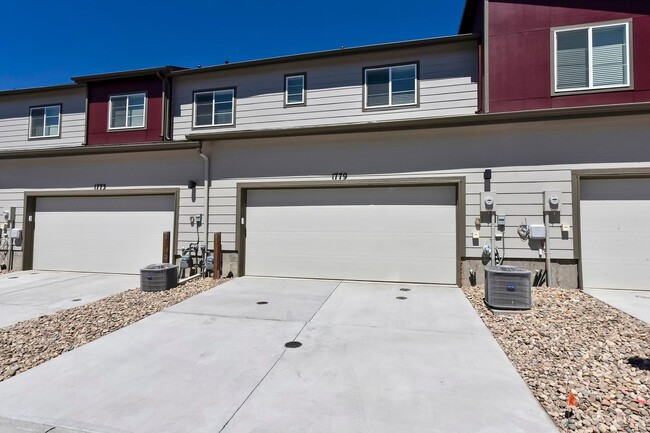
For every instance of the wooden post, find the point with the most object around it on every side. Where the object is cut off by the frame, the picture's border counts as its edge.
(217, 256)
(166, 246)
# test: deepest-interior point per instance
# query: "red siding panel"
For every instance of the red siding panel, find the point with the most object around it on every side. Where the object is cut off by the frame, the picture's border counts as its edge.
(593, 99)
(641, 38)
(98, 96)
(520, 51)
(509, 82)
(537, 16)
(502, 106)
(536, 70)
(506, 18)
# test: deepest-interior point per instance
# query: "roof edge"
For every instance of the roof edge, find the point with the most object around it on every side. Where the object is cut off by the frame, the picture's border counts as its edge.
(100, 150)
(330, 53)
(54, 88)
(469, 8)
(126, 74)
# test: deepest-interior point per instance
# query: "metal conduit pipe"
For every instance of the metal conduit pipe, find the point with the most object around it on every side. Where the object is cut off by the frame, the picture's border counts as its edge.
(547, 247)
(493, 239)
(206, 198)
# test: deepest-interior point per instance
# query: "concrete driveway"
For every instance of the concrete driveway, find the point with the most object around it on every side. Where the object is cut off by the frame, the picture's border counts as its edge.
(29, 294)
(636, 303)
(369, 362)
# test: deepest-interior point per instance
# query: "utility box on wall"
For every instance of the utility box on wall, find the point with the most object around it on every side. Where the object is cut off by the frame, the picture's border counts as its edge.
(552, 201)
(488, 202)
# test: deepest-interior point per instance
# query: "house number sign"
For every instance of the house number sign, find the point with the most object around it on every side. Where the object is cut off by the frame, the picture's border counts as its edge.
(100, 187)
(339, 176)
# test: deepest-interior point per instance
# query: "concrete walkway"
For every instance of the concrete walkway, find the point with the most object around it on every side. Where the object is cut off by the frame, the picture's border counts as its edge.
(636, 303)
(29, 294)
(369, 363)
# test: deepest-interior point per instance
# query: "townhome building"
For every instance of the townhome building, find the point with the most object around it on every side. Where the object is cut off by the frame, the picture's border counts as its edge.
(521, 140)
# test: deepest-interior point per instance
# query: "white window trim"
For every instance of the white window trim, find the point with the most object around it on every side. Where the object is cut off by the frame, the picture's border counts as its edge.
(390, 87)
(213, 125)
(144, 115)
(45, 107)
(286, 89)
(590, 29)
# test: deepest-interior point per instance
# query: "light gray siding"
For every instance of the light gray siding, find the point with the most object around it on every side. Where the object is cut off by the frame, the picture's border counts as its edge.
(14, 119)
(147, 171)
(526, 159)
(334, 95)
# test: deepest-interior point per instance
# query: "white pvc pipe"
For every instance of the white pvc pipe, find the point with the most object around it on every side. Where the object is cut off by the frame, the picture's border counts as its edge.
(206, 199)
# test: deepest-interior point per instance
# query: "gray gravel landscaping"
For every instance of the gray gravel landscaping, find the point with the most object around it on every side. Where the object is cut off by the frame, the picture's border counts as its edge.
(571, 341)
(32, 342)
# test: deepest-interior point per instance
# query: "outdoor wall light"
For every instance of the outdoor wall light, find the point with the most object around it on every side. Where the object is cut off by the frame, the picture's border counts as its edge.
(191, 184)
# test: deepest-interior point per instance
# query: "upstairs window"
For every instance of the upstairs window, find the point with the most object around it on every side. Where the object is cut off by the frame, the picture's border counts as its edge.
(591, 58)
(294, 93)
(127, 111)
(214, 108)
(392, 86)
(45, 122)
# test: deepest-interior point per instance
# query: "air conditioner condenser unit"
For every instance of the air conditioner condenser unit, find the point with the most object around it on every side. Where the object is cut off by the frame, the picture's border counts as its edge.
(508, 288)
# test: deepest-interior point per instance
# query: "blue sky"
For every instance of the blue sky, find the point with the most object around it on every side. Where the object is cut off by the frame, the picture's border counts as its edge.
(45, 42)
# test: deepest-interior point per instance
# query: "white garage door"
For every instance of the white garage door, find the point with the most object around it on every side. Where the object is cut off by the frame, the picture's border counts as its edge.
(101, 234)
(615, 233)
(405, 234)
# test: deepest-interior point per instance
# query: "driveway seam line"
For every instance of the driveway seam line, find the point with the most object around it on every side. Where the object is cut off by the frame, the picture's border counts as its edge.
(319, 308)
(43, 285)
(253, 390)
(277, 360)
(430, 331)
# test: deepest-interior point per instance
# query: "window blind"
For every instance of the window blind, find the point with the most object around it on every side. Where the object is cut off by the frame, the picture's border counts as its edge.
(573, 59)
(609, 56)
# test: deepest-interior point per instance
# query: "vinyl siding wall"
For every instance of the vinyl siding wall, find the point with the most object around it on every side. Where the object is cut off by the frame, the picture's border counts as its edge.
(526, 159)
(334, 90)
(150, 171)
(14, 119)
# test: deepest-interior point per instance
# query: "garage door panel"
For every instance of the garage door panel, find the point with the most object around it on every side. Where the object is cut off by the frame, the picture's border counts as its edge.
(614, 215)
(384, 234)
(615, 190)
(269, 243)
(404, 196)
(127, 204)
(354, 218)
(598, 246)
(627, 275)
(350, 268)
(101, 234)
(619, 216)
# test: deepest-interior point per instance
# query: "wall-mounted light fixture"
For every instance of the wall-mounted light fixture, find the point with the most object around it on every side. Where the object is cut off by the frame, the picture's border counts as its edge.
(191, 184)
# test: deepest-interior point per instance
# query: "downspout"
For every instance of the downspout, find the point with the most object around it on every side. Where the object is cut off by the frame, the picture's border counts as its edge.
(481, 78)
(164, 124)
(206, 198)
(486, 56)
(85, 143)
